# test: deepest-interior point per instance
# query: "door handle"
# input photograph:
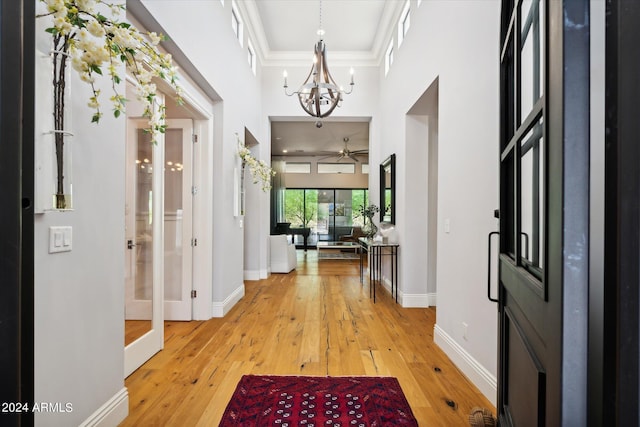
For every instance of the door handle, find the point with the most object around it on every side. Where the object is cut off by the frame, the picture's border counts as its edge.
(130, 244)
(489, 266)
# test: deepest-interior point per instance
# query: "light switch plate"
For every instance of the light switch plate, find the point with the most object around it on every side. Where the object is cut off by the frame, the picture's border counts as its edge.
(60, 239)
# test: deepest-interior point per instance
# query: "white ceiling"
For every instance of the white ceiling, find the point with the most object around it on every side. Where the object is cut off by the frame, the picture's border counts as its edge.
(349, 25)
(354, 29)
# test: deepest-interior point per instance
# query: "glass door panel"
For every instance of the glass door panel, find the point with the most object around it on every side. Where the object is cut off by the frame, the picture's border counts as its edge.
(325, 221)
(177, 220)
(532, 198)
(144, 330)
(139, 236)
(343, 218)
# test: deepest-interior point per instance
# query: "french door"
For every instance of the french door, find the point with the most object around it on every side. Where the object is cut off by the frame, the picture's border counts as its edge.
(158, 217)
(544, 206)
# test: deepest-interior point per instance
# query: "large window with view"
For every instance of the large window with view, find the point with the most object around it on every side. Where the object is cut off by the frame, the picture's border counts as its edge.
(329, 214)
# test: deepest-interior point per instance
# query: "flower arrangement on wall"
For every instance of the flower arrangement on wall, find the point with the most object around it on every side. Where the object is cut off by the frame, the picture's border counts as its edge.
(260, 171)
(94, 46)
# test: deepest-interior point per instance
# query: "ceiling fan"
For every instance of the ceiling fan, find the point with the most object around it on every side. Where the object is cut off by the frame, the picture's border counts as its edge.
(346, 153)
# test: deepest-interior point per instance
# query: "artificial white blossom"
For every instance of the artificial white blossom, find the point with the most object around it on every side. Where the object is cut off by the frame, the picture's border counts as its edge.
(260, 171)
(94, 42)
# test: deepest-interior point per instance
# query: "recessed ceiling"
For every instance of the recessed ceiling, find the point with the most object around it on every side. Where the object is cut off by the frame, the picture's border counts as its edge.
(303, 138)
(349, 25)
(353, 29)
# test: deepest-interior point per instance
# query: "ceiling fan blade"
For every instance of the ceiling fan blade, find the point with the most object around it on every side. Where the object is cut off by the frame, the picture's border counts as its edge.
(352, 157)
(365, 151)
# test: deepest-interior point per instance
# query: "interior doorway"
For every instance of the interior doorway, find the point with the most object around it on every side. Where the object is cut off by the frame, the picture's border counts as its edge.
(421, 194)
(159, 232)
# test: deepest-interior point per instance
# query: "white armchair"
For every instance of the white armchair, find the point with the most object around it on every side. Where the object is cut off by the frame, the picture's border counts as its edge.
(283, 254)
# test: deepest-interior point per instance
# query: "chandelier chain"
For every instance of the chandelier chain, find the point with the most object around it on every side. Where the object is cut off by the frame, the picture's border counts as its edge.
(320, 18)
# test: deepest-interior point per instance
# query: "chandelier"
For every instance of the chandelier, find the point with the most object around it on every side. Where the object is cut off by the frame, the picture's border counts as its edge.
(319, 95)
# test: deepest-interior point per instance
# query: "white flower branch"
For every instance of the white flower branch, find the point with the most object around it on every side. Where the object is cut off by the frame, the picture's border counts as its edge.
(260, 171)
(94, 42)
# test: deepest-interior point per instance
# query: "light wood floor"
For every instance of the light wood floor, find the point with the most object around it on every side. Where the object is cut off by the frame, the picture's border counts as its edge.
(318, 320)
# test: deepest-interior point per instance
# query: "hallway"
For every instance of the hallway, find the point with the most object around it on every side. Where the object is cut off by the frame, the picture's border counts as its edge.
(317, 320)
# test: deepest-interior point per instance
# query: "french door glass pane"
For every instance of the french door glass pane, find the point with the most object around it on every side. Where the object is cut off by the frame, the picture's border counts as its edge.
(532, 199)
(173, 219)
(144, 220)
(507, 215)
(531, 55)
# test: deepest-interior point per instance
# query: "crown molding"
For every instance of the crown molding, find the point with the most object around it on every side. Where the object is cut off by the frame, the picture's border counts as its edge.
(268, 58)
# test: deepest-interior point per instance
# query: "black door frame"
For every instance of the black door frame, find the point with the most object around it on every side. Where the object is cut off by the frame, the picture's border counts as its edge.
(17, 47)
(620, 341)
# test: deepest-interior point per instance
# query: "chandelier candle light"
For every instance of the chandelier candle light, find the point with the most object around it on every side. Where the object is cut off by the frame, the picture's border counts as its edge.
(319, 95)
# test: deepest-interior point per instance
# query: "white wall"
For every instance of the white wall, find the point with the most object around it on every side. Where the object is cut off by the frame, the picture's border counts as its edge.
(79, 295)
(456, 42)
(202, 30)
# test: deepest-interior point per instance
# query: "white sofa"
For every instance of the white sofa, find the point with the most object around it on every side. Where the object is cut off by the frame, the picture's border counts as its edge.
(283, 254)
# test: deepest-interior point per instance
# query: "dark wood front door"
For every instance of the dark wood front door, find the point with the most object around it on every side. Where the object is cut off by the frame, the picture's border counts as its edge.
(544, 206)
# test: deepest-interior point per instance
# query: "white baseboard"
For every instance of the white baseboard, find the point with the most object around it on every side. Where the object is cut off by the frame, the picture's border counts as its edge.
(477, 374)
(411, 300)
(251, 274)
(256, 274)
(220, 309)
(112, 413)
(433, 299)
(414, 300)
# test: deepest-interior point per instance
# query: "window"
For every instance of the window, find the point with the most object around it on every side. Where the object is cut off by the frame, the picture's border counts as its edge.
(404, 23)
(329, 212)
(388, 58)
(297, 167)
(251, 56)
(336, 168)
(236, 22)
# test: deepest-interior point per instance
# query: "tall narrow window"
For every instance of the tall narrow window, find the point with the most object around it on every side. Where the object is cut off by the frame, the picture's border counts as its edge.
(251, 56)
(388, 58)
(404, 22)
(236, 22)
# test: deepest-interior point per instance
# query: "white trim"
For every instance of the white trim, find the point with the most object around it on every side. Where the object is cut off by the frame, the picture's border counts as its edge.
(220, 309)
(410, 300)
(112, 413)
(414, 300)
(433, 299)
(251, 274)
(475, 372)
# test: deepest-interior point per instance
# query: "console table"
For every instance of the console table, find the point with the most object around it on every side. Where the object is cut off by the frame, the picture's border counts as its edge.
(376, 251)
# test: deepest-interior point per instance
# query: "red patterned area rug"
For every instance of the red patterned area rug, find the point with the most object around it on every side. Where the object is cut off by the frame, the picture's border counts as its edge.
(318, 401)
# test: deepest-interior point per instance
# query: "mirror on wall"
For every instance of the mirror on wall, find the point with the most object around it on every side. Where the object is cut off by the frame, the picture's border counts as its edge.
(388, 190)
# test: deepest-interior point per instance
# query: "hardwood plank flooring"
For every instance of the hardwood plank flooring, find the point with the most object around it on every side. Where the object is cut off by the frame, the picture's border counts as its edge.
(316, 320)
